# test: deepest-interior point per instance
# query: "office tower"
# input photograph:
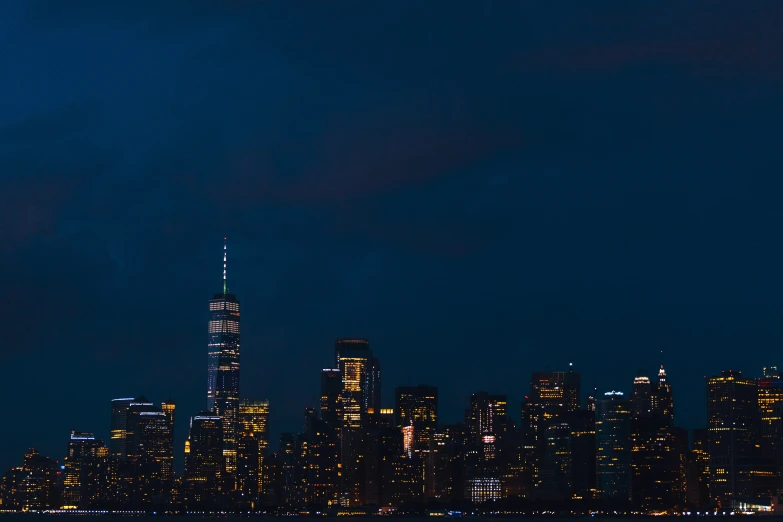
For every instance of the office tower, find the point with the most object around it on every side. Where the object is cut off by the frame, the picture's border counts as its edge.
(119, 407)
(204, 461)
(556, 472)
(86, 470)
(658, 460)
(223, 369)
(663, 400)
(583, 458)
(354, 359)
(642, 397)
(700, 457)
(374, 385)
(254, 419)
(150, 452)
(485, 414)
(331, 388)
(551, 395)
(770, 401)
(733, 427)
(613, 453)
(288, 469)
(488, 422)
(252, 448)
(417, 406)
(250, 462)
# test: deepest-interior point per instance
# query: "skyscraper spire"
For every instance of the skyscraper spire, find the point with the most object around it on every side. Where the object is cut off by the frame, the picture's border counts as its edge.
(225, 287)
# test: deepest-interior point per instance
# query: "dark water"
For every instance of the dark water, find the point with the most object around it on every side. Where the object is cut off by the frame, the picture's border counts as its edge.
(38, 517)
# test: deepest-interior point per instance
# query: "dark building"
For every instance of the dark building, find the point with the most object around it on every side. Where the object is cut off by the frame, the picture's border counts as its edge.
(700, 460)
(733, 428)
(659, 451)
(223, 367)
(331, 387)
(658, 456)
(642, 399)
(613, 453)
(663, 400)
(583, 453)
(150, 453)
(331, 390)
(204, 462)
(770, 401)
(117, 444)
(374, 385)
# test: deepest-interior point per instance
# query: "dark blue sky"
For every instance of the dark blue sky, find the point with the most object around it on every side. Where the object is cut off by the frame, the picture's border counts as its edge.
(483, 189)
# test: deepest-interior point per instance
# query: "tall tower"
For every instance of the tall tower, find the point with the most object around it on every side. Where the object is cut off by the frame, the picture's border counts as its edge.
(733, 421)
(223, 369)
(663, 403)
(613, 451)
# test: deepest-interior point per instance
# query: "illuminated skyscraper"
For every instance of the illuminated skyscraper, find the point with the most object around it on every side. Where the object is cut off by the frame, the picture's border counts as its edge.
(253, 446)
(613, 454)
(254, 420)
(417, 406)
(204, 461)
(355, 362)
(733, 427)
(223, 369)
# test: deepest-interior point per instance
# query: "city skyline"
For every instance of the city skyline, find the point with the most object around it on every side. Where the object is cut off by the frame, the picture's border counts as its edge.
(482, 190)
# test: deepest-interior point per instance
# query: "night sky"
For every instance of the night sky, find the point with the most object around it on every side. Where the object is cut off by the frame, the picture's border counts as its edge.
(481, 189)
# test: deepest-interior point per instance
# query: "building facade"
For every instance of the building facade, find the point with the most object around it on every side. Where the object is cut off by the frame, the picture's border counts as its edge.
(223, 366)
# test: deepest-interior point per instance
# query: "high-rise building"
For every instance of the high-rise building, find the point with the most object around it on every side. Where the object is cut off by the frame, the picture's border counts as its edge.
(642, 397)
(551, 395)
(417, 406)
(374, 385)
(253, 446)
(733, 427)
(117, 444)
(331, 387)
(86, 470)
(663, 400)
(770, 401)
(254, 420)
(355, 361)
(204, 461)
(613, 453)
(700, 458)
(583, 447)
(223, 368)
(150, 452)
